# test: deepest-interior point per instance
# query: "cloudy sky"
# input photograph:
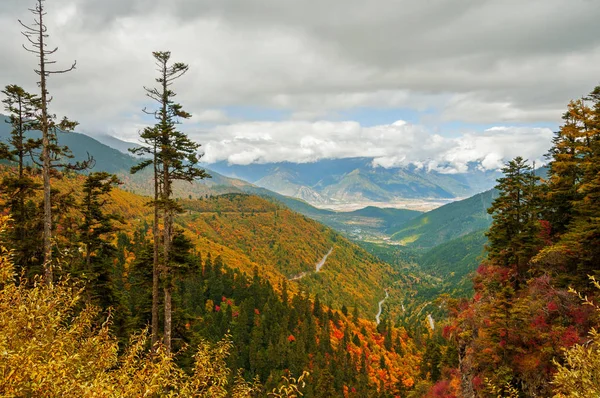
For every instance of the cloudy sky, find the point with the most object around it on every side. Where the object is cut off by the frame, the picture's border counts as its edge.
(437, 82)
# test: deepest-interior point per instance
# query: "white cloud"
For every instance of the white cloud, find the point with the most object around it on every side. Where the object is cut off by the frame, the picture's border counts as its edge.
(490, 61)
(397, 144)
(209, 116)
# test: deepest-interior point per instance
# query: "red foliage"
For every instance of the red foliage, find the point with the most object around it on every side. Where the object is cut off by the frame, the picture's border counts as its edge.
(539, 322)
(448, 330)
(217, 308)
(441, 389)
(570, 337)
(545, 232)
(477, 383)
(552, 306)
(338, 334)
(578, 315)
(291, 338)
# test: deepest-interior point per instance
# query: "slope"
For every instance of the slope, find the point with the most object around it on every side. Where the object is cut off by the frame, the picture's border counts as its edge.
(455, 261)
(448, 222)
(284, 243)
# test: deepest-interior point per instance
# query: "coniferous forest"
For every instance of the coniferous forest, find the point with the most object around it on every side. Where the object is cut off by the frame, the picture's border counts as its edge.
(110, 289)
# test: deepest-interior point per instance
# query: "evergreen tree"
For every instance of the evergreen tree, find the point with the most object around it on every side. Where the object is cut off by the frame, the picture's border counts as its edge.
(150, 137)
(574, 192)
(514, 233)
(24, 236)
(96, 223)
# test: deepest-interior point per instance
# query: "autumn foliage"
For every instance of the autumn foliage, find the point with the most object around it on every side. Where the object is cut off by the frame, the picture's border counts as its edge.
(513, 335)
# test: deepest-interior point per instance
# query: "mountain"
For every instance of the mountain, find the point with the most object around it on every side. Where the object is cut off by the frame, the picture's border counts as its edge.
(113, 142)
(252, 233)
(368, 223)
(353, 180)
(446, 223)
(106, 158)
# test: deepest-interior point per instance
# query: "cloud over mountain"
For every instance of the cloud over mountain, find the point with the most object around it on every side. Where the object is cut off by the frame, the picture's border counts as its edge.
(397, 144)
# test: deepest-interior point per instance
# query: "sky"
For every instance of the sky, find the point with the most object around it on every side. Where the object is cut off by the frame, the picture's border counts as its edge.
(440, 83)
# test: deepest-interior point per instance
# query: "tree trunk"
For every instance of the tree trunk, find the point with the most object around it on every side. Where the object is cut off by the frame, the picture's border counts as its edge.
(155, 270)
(167, 211)
(48, 272)
(168, 224)
(167, 336)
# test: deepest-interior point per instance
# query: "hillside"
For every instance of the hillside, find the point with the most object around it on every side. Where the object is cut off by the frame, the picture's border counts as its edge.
(455, 262)
(284, 243)
(109, 159)
(367, 223)
(106, 158)
(372, 223)
(446, 223)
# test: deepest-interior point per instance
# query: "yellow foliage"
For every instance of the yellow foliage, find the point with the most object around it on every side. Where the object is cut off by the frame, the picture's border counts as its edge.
(49, 349)
(579, 375)
(290, 387)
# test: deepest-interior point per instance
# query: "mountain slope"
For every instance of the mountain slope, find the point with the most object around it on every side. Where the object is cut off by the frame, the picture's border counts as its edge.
(454, 261)
(448, 222)
(112, 160)
(286, 243)
(106, 158)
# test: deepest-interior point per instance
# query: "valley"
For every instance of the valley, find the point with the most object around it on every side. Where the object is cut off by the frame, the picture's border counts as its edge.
(421, 252)
(411, 235)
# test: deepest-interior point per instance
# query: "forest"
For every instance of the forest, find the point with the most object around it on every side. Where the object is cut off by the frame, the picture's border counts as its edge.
(109, 292)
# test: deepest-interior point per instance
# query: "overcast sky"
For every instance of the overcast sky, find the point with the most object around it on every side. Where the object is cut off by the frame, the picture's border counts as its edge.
(436, 82)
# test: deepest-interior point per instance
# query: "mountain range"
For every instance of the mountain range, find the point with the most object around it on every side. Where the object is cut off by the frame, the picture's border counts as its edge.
(357, 180)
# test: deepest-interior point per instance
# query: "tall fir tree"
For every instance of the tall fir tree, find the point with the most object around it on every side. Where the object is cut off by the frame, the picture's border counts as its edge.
(150, 137)
(174, 158)
(574, 193)
(514, 233)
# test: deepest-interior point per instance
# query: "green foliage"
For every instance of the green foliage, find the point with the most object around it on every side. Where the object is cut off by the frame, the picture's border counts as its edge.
(455, 262)
(514, 233)
(19, 186)
(448, 222)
